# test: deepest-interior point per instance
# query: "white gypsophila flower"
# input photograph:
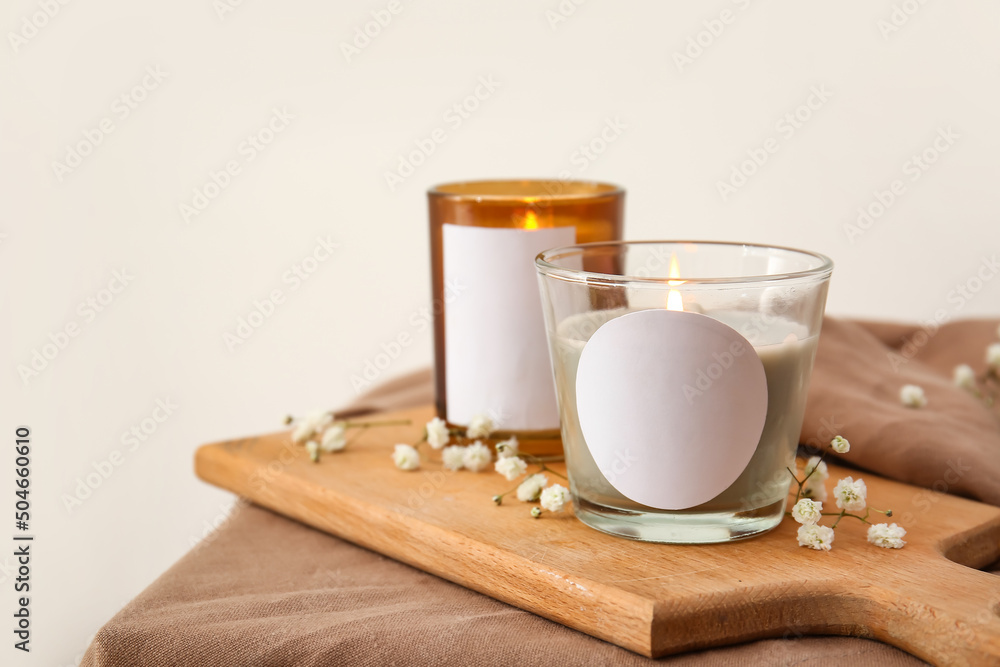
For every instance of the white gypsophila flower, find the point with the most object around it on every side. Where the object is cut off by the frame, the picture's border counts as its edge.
(480, 427)
(554, 498)
(301, 433)
(807, 511)
(887, 535)
(313, 448)
(511, 467)
(508, 447)
(814, 490)
(965, 377)
(477, 456)
(993, 356)
(816, 464)
(815, 536)
(851, 495)
(840, 444)
(531, 488)
(406, 457)
(334, 438)
(437, 433)
(912, 396)
(452, 457)
(309, 425)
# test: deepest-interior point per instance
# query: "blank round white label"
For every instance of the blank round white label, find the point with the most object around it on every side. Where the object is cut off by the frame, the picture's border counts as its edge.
(671, 404)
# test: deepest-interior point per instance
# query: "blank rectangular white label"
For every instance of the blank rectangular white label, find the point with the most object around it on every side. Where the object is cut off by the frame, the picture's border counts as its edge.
(496, 355)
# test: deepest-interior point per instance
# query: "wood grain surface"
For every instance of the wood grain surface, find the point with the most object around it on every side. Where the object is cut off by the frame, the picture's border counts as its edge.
(654, 599)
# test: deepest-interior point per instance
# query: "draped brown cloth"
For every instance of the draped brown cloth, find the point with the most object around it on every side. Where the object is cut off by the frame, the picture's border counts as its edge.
(265, 590)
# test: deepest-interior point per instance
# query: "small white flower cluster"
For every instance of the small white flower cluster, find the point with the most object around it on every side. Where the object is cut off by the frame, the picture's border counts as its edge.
(815, 537)
(810, 534)
(530, 489)
(554, 498)
(965, 377)
(816, 475)
(993, 355)
(511, 467)
(887, 535)
(533, 488)
(475, 456)
(912, 396)
(840, 445)
(984, 388)
(406, 457)
(332, 435)
(438, 433)
(850, 495)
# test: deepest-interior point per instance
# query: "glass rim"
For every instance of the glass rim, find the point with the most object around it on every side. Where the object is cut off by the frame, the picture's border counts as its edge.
(544, 263)
(600, 189)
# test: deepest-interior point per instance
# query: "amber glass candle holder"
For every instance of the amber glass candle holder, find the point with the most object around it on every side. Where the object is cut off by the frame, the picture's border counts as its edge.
(490, 349)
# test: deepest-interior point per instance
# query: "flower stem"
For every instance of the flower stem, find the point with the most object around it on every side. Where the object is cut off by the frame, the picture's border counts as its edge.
(498, 498)
(545, 468)
(531, 458)
(383, 422)
(798, 492)
(875, 509)
(841, 514)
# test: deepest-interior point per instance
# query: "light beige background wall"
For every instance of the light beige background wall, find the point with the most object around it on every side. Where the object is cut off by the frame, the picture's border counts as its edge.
(671, 95)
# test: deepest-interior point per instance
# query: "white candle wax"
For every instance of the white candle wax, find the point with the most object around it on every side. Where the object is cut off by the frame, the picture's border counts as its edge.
(787, 358)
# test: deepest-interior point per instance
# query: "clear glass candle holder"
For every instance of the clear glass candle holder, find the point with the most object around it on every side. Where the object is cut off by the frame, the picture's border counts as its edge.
(681, 372)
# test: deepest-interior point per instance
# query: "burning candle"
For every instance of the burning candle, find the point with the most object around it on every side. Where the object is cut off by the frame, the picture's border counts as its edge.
(678, 422)
(490, 351)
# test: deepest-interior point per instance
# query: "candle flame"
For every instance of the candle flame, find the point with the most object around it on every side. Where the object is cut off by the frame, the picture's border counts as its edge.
(674, 299)
(530, 220)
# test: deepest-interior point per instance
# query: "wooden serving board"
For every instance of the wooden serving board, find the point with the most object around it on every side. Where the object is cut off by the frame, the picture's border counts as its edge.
(651, 598)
